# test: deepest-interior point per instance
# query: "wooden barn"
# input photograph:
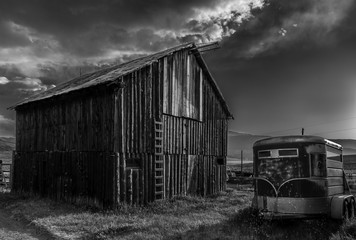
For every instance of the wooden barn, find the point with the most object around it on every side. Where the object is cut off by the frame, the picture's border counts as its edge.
(148, 129)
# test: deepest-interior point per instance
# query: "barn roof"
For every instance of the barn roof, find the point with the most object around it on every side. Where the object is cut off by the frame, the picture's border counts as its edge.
(295, 139)
(110, 74)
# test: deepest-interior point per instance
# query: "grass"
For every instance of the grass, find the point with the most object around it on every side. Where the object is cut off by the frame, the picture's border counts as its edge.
(180, 217)
(346, 232)
(223, 216)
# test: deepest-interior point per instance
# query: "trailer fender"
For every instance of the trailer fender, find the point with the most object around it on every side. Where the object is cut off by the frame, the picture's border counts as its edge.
(337, 206)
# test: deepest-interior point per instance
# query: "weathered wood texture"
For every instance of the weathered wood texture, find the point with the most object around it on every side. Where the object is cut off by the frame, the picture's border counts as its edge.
(98, 145)
(83, 177)
(80, 122)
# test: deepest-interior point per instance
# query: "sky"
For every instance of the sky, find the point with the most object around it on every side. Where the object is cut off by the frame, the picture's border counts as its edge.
(282, 65)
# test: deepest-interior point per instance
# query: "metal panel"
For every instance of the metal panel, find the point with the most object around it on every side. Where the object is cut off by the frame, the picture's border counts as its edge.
(335, 181)
(335, 190)
(293, 205)
(334, 172)
(333, 164)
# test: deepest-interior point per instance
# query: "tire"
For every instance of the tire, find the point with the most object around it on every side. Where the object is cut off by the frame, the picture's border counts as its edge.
(346, 211)
(352, 209)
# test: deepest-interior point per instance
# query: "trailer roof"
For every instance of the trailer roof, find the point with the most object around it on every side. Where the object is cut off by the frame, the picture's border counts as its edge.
(296, 139)
(111, 74)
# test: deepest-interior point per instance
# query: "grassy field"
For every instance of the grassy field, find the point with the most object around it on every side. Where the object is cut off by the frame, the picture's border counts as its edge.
(223, 216)
(246, 167)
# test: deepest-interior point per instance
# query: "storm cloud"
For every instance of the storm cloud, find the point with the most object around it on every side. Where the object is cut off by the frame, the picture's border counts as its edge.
(291, 66)
(282, 64)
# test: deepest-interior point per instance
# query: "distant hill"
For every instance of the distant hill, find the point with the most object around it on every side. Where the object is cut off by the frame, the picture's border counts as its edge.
(7, 144)
(349, 145)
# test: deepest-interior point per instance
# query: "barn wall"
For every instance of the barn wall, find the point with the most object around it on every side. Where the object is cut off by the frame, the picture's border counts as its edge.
(64, 148)
(81, 177)
(134, 112)
(175, 91)
(195, 129)
(75, 123)
(134, 116)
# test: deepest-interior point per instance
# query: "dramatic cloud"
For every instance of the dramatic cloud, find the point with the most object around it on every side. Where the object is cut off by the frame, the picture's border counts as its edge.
(291, 65)
(4, 80)
(78, 34)
(44, 43)
(277, 67)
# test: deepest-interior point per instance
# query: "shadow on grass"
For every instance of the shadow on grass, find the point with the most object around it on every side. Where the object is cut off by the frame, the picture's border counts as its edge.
(247, 225)
(112, 231)
(178, 218)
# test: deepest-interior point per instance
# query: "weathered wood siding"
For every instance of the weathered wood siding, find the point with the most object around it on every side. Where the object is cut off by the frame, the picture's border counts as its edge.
(81, 177)
(82, 122)
(64, 148)
(195, 129)
(134, 114)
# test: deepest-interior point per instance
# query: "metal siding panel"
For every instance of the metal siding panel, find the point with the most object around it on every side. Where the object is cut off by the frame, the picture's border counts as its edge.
(334, 172)
(335, 190)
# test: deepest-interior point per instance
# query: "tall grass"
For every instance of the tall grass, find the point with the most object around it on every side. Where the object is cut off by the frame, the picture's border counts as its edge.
(224, 216)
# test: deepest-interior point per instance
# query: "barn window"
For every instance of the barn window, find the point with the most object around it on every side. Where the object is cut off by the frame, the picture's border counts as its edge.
(133, 163)
(220, 160)
(193, 100)
(182, 87)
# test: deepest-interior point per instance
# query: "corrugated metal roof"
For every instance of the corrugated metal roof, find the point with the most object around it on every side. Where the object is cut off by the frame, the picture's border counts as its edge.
(110, 74)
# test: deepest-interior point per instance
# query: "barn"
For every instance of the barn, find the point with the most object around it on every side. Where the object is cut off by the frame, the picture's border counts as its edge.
(147, 129)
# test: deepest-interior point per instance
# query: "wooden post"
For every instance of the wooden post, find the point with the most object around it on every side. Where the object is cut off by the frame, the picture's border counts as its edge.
(242, 155)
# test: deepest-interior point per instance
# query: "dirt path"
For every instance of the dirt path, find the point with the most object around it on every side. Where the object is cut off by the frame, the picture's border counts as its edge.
(11, 229)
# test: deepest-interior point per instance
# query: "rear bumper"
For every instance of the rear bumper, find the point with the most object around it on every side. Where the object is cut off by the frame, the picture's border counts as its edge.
(286, 208)
(286, 216)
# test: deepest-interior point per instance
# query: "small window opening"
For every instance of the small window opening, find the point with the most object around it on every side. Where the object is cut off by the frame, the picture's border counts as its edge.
(288, 153)
(264, 154)
(133, 163)
(220, 160)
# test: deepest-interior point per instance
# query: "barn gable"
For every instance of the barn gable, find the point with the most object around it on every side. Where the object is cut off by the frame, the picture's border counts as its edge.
(112, 74)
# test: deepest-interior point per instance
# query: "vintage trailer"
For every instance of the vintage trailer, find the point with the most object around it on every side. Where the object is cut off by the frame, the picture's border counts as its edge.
(300, 177)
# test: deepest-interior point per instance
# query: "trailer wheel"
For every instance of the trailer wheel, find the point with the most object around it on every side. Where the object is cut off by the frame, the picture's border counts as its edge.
(346, 211)
(352, 208)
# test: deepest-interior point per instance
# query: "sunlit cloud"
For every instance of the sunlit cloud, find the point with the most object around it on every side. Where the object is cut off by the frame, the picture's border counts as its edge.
(314, 22)
(223, 19)
(32, 85)
(4, 80)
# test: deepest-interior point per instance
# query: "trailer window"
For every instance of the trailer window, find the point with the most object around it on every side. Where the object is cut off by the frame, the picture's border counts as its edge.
(318, 164)
(334, 154)
(288, 152)
(264, 154)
